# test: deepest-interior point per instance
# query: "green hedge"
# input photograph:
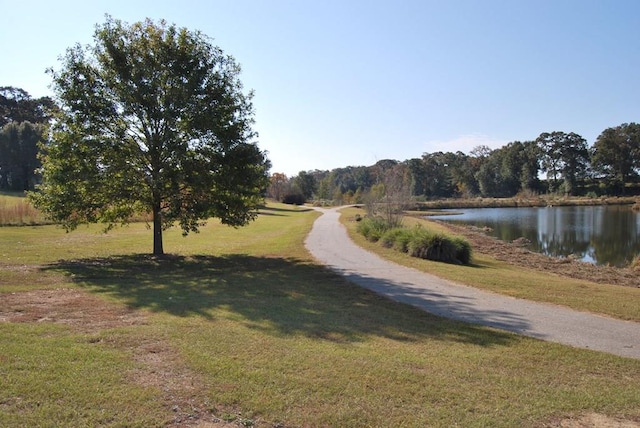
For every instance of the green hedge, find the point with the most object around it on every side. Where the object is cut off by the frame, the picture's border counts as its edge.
(417, 241)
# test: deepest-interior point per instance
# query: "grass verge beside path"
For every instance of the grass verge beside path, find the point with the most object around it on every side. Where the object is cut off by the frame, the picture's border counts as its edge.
(239, 325)
(500, 277)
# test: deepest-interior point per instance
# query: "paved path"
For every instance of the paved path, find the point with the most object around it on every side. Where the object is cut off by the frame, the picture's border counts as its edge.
(329, 243)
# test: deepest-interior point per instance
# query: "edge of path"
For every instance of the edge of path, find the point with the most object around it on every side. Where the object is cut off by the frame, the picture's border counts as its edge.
(330, 245)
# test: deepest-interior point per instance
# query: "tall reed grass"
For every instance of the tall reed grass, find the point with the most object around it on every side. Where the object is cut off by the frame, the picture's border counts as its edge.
(15, 211)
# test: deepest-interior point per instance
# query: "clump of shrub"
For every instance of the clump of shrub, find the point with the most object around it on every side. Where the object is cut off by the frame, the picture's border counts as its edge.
(417, 241)
(372, 228)
(426, 244)
(397, 238)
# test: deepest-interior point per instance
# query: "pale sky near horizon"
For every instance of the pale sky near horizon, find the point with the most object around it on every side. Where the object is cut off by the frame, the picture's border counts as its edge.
(350, 82)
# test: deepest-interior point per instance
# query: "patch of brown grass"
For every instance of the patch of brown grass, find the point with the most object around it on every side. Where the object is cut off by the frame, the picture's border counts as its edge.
(19, 212)
(593, 420)
(84, 312)
(157, 363)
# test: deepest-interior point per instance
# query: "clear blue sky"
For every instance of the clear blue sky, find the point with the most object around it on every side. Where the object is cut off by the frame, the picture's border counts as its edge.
(351, 82)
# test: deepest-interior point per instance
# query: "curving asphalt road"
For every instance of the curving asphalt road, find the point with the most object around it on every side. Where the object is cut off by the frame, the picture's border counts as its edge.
(329, 243)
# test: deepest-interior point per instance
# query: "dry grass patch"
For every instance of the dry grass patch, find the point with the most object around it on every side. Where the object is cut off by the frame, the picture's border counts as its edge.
(84, 312)
(157, 364)
(16, 210)
(593, 420)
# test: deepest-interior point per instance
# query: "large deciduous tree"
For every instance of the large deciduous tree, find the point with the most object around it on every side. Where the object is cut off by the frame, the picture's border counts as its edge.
(566, 155)
(443, 174)
(616, 153)
(305, 184)
(154, 118)
(279, 185)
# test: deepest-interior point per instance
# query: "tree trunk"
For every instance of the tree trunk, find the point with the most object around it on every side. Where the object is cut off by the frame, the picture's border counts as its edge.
(158, 249)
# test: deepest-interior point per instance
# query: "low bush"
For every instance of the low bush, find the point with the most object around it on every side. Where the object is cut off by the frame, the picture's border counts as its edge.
(372, 228)
(439, 247)
(417, 242)
(464, 252)
(397, 238)
(433, 246)
(294, 199)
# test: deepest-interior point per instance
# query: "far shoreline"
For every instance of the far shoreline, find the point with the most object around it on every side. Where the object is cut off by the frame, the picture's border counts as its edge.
(421, 208)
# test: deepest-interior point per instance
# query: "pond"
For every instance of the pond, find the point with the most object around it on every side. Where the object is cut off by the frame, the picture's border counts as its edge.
(603, 235)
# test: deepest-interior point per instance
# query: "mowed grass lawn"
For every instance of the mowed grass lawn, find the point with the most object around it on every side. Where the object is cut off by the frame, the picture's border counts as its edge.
(241, 325)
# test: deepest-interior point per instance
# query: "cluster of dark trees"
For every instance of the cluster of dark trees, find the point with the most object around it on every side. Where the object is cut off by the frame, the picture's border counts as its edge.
(555, 162)
(23, 123)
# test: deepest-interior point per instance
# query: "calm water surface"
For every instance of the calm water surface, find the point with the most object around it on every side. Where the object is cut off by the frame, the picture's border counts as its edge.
(600, 234)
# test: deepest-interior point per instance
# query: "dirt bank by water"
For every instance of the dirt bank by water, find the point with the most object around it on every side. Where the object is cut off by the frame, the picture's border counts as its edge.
(516, 254)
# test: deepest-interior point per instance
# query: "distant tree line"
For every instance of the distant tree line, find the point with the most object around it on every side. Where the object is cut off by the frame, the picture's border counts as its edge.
(23, 124)
(555, 162)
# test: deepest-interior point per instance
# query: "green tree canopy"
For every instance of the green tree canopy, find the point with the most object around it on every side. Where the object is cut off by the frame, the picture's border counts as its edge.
(16, 105)
(18, 155)
(305, 184)
(23, 122)
(509, 169)
(439, 181)
(566, 155)
(616, 153)
(154, 118)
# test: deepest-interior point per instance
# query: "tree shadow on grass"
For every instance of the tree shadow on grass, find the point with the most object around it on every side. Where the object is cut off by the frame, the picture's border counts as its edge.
(279, 296)
(270, 210)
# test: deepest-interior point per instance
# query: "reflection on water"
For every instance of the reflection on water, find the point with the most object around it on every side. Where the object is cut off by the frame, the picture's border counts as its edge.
(606, 235)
